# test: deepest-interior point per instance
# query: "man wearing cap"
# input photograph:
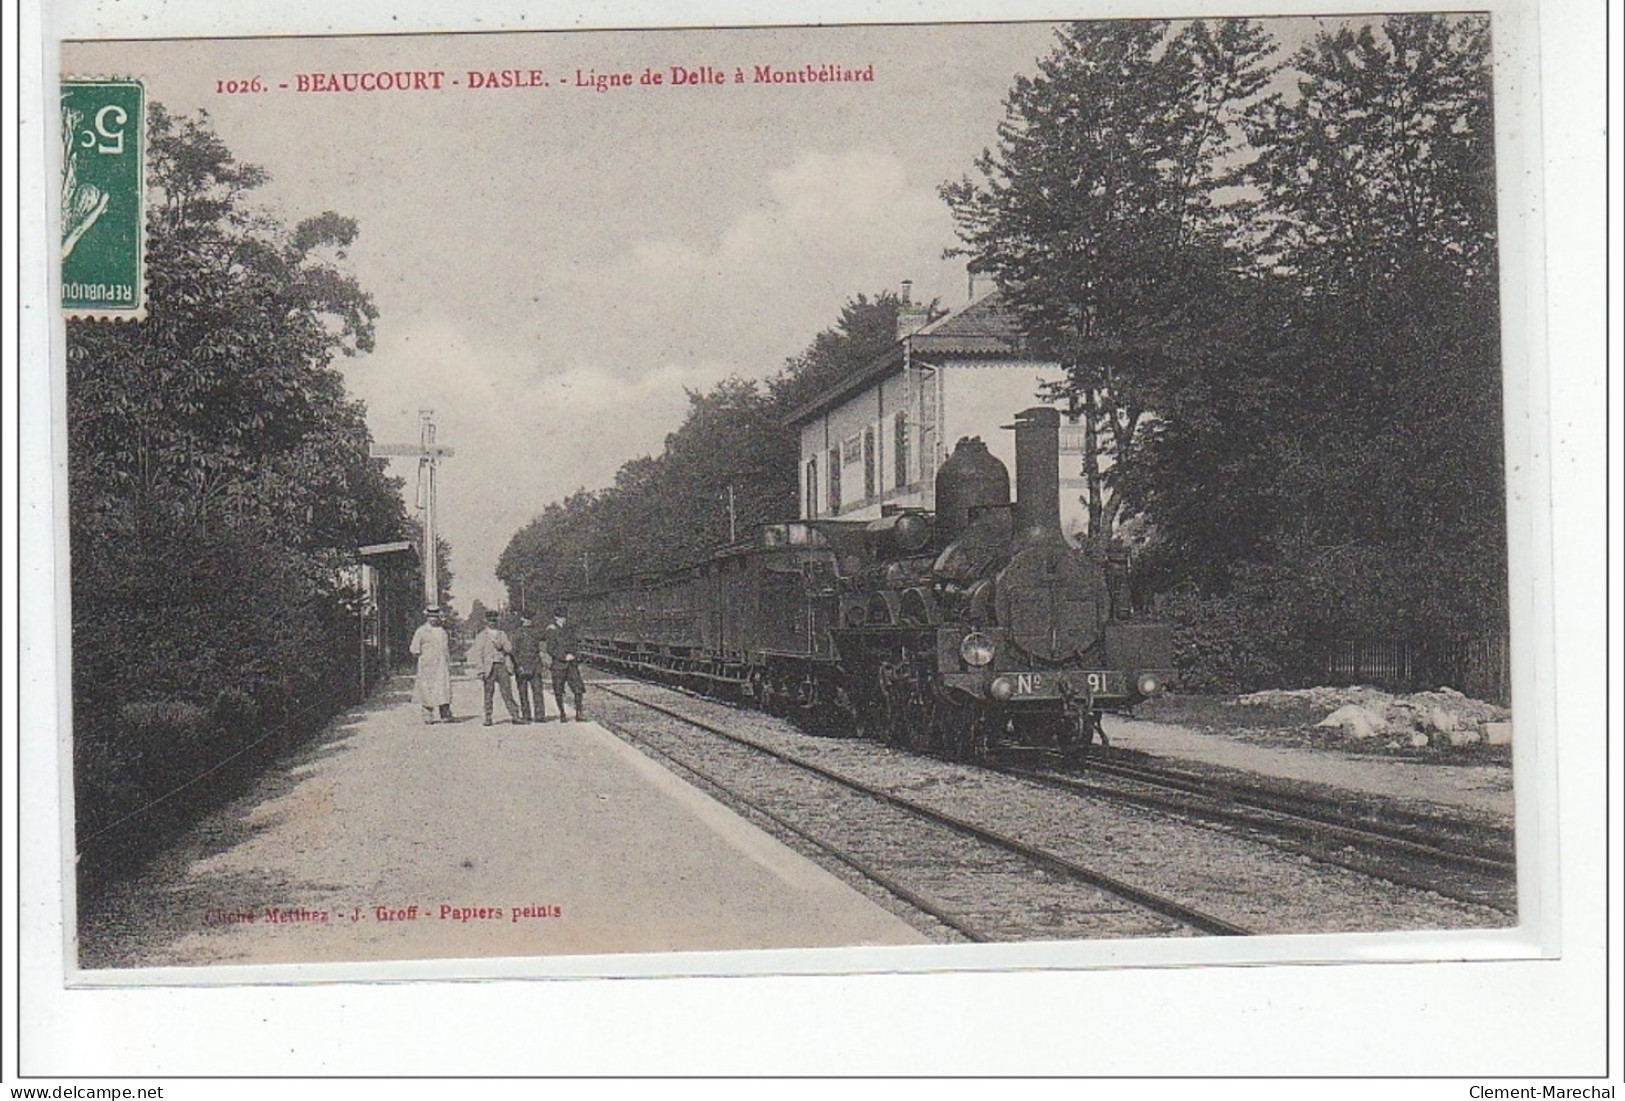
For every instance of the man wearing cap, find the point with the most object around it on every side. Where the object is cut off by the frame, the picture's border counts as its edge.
(563, 651)
(432, 688)
(490, 654)
(527, 661)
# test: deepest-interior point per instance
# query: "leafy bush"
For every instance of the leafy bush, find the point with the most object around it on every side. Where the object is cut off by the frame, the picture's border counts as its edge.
(1228, 643)
(166, 735)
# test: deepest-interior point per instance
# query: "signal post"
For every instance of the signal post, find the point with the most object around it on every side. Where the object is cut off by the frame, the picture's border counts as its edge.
(428, 454)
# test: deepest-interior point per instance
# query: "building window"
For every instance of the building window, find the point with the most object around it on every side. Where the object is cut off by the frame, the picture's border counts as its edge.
(899, 448)
(870, 474)
(812, 488)
(834, 479)
(928, 425)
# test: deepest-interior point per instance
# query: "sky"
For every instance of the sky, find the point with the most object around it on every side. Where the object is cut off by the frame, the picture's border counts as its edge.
(554, 265)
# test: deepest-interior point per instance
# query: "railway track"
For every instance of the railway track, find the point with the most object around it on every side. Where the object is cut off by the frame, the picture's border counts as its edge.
(980, 882)
(1414, 850)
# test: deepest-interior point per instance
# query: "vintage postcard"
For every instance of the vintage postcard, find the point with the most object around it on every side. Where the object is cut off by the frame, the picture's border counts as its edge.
(880, 488)
(806, 498)
(779, 500)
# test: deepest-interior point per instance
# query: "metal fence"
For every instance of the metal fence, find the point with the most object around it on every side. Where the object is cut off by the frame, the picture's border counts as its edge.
(1479, 667)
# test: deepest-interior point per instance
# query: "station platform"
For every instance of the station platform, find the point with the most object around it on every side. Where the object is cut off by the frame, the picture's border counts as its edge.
(1486, 789)
(393, 839)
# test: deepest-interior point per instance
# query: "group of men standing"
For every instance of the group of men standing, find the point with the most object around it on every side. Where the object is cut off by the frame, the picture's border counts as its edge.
(503, 662)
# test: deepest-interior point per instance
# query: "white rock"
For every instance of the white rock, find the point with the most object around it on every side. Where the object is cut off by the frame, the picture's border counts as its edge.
(1401, 716)
(1443, 721)
(1353, 720)
(1464, 737)
(1418, 740)
(1498, 733)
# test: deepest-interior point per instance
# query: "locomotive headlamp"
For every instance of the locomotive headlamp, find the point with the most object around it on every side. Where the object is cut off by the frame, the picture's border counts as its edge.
(1002, 688)
(977, 649)
(1149, 684)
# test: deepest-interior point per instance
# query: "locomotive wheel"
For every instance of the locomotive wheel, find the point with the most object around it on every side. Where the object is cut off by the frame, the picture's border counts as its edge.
(915, 730)
(862, 716)
(772, 698)
(902, 717)
(961, 730)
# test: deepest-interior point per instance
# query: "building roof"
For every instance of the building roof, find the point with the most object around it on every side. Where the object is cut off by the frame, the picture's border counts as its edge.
(983, 329)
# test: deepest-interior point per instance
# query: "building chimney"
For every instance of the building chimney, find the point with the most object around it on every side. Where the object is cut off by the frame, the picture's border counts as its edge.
(910, 318)
(1038, 474)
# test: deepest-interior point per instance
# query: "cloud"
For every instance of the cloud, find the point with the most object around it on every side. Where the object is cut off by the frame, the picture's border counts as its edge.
(813, 234)
(828, 209)
(587, 365)
(518, 444)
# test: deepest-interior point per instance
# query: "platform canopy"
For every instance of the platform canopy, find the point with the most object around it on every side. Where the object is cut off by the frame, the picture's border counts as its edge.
(398, 553)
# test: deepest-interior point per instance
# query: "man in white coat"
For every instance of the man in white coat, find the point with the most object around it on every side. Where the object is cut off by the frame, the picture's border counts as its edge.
(433, 650)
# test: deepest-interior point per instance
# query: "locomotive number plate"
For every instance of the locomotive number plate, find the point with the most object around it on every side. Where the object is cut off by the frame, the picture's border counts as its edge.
(1030, 684)
(1095, 682)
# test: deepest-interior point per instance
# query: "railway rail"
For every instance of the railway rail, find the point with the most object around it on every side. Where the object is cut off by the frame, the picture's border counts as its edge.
(1262, 872)
(1416, 850)
(920, 854)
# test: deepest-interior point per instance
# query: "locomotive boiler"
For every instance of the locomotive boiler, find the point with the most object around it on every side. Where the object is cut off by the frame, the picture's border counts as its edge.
(945, 632)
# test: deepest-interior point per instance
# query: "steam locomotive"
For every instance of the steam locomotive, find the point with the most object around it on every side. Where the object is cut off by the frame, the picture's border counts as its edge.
(945, 633)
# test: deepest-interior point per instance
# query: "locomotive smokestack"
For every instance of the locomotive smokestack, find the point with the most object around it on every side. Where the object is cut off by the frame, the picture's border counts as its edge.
(1038, 472)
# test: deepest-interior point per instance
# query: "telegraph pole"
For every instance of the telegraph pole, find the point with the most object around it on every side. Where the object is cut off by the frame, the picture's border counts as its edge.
(428, 455)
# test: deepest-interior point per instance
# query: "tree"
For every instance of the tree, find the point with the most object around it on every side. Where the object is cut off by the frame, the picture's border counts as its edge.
(1098, 213)
(1334, 446)
(1383, 156)
(866, 330)
(1378, 185)
(219, 481)
(727, 470)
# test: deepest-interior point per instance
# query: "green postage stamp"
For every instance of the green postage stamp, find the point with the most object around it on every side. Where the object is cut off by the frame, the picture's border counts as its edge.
(103, 213)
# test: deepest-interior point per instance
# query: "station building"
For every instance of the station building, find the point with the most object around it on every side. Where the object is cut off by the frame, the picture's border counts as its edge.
(876, 439)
